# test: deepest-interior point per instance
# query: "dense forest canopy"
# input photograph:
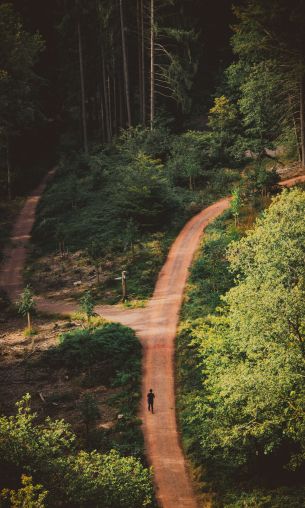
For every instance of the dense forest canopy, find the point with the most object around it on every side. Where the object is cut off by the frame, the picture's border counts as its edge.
(97, 67)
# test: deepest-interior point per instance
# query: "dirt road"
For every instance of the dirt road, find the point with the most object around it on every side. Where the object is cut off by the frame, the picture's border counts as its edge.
(11, 270)
(156, 327)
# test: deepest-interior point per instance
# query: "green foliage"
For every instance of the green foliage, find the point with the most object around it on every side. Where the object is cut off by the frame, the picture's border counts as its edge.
(263, 115)
(29, 495)
(210, 276)
(259, 180)
(89, 410)
(188, 157)
(154, 142)
(266, 499)
(248, 412)
(78, 478)
(265, 80)
(241, 407)
(112, 346)
(223, 114)
(26, 303)
(92, 199)
(87, 304)
(235, 204)
(144, 193)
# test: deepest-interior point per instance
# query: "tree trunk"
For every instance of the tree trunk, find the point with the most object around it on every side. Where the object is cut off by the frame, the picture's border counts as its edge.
(82, 86)
(29, 320)
(105, 100)
(109, 105)
(302, 120)
(140, 57)
(126, 80)
(121, 113)
(9, 170)
(152, 63)
(102, 117)
(143, 64)
(115, 104)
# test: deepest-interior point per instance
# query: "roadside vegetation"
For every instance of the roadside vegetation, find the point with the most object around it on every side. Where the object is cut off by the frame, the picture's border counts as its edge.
(240, 358)
(119, 209)
(91, 378)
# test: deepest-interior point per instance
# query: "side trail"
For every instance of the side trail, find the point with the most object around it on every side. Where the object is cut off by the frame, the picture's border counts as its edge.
(155, 326)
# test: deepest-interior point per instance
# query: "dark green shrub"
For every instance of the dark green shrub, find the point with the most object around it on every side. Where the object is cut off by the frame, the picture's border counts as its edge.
(111, 345)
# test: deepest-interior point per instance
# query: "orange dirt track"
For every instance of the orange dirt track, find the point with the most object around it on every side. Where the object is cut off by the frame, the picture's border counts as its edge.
(156, 328)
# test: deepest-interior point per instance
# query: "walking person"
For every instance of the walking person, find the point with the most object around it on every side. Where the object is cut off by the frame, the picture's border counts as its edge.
(150, 400)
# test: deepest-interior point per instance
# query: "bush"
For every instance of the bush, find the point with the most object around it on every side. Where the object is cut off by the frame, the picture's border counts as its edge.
(268, 499)
(81, 479)
(112, 345)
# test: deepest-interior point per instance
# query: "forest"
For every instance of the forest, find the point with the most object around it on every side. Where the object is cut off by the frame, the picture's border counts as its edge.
(152, 236)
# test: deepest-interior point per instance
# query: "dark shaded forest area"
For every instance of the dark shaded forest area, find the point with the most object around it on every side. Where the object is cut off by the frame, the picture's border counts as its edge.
(195, 36)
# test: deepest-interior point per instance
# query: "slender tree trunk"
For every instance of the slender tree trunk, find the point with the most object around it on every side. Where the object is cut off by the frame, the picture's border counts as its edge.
(126, 80)
(302, 119)
(115, 103)
(143, 63)
(121, 113)
(106, 100)
(109, 105)
(82, 86)
(140, 57)
(29, 320)
(152, 63)
(102, 115)
(9, 169)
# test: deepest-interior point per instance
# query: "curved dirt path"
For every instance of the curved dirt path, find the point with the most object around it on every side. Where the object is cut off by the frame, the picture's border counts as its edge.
(156, 327)
(11, 269)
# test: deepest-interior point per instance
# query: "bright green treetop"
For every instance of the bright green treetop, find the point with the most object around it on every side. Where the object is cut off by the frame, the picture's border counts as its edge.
(253, 354)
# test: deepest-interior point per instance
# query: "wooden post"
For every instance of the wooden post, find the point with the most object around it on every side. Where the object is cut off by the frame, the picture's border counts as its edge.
(124, 287)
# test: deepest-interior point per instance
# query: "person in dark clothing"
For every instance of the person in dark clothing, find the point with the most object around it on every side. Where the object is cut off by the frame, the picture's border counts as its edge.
(150, 400)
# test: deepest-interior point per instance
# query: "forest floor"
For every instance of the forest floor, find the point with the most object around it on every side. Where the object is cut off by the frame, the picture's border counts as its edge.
(156, 327)
(54, 392)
